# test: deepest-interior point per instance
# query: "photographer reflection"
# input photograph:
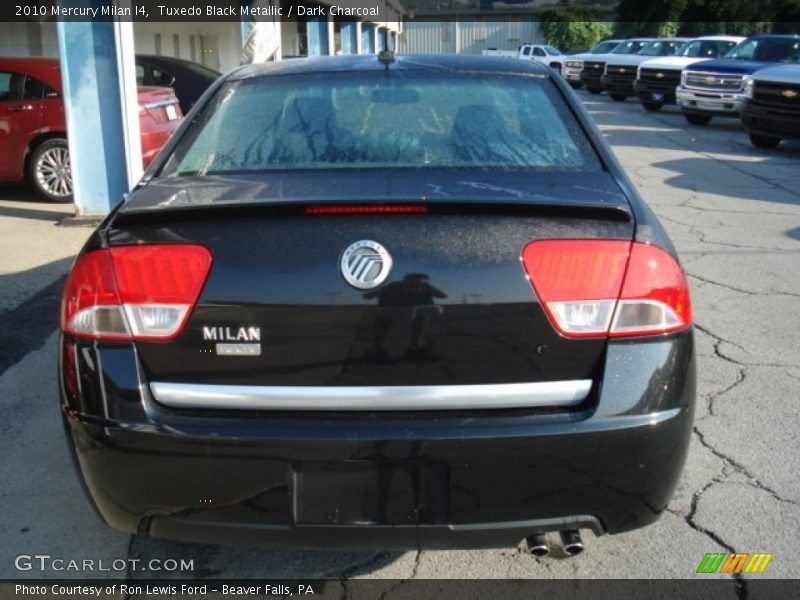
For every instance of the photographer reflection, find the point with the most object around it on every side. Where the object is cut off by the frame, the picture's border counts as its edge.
(412, 299)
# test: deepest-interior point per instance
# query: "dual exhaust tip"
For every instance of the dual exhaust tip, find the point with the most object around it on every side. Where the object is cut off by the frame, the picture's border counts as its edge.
(571, 543)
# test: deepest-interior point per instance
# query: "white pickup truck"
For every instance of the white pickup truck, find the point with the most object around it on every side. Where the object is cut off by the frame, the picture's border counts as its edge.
(547, 55)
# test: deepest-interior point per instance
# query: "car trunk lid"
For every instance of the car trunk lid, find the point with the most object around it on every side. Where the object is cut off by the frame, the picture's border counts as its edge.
(457, 308)
(160, 103)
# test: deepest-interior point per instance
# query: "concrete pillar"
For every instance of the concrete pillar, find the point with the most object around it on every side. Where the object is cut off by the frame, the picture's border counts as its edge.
(359, 33)
(244, 30)
(102, 111)
(318, 39)
(348, 33)
(383, 34)
(367, 39)
(263, 42)
(331, 36)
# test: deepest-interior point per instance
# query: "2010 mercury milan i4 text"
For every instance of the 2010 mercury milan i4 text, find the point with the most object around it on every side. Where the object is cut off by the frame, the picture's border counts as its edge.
(397, 303)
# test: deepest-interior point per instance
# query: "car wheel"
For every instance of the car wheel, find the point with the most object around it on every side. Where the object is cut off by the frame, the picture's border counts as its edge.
(766, 142)
(697, 119)
(49, 171)
(652, 106)
(575, 85)
(594, 90)
(618, 97)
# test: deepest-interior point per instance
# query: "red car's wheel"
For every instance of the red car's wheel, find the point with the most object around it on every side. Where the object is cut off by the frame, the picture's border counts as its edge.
(49, 171)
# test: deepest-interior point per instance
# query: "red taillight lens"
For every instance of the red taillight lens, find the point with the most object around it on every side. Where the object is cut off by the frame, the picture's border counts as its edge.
(591, 288)
(134, 292)
(655, 296)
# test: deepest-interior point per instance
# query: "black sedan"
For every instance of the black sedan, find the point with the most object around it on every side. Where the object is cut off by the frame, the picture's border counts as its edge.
(398, 303)
(188, 79)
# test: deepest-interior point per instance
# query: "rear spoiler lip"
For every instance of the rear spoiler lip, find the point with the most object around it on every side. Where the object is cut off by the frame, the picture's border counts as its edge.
(522, 186)
(286, 208)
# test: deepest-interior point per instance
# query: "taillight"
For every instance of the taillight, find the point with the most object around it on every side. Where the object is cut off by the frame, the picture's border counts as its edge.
(591, 288)
(134, 292)
(655, 295)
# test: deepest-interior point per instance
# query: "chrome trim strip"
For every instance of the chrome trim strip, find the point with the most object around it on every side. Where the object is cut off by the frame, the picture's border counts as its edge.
(336, 398)
(160, 103)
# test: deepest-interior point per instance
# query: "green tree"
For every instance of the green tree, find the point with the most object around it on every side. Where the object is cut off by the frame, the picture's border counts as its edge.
(572, 29)
(655, 18)
(786, 18)
(743, 17)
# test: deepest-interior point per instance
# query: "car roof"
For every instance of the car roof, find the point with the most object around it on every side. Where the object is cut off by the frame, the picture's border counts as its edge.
(155, 58)
(712, 38)
(47, 70)
(160, 58)
(452, 63)
(774, 36)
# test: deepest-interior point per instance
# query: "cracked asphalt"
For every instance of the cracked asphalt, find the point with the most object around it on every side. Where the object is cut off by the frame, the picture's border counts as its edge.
(734, 215)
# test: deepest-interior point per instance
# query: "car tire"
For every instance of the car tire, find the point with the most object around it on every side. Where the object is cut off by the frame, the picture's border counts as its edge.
(765, 142)
(652, 106)
(697, 118)
(49, 171)
(575, 85)
(594, 90)
(618, 97)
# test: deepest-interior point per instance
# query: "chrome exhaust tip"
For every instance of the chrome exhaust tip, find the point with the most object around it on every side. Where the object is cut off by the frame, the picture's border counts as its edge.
(571, 542)
(537, 545)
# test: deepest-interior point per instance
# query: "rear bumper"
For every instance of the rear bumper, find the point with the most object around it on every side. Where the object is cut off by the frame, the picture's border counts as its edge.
(154, 138)
(715, 103)
(771, 121)
(479, 482)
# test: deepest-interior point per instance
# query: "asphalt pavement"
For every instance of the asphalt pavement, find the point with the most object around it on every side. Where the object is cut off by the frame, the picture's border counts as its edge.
(734, 215)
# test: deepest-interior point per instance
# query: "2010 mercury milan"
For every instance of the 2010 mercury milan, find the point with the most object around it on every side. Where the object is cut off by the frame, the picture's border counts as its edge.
(392, 303)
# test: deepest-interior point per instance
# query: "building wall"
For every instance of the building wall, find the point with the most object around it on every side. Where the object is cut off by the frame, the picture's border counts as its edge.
(215, 45)
(467, 37)
(31, 38)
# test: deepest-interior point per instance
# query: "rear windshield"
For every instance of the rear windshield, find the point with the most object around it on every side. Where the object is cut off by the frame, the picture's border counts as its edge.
(384, 120)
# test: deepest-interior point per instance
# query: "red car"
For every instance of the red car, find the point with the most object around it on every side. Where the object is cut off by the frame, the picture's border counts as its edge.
(33, 131)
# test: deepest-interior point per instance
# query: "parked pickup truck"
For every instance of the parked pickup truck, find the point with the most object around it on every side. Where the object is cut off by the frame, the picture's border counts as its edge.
(717, 87)
(620, 72)
(772, 105)
(592, 73)
(573, 65)
(657, 78)
(547, 55)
